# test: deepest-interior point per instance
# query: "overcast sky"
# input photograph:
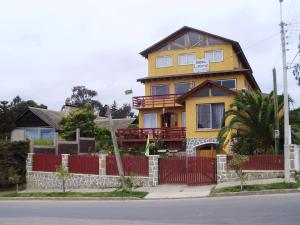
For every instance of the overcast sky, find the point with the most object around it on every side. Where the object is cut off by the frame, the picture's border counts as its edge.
(49, 46)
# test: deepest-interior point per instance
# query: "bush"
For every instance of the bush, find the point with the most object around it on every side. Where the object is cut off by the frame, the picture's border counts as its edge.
(12, 161)
(103, 138)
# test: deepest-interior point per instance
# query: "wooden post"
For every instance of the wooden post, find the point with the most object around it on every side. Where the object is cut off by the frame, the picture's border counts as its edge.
(116, 150)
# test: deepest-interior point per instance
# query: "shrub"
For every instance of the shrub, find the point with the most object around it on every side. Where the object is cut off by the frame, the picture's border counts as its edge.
(236, 164)
(12, 161)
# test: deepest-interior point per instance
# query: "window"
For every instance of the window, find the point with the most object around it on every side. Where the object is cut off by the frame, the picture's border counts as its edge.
(231, 84)
(32, 133)
(181, 88)
(39, 133)
(183, 119)
(204, 92)
(164, 61)
(218, 92)
(214, 56)
(209, 116)
(186, 59)
(162, 89)
(150, 120)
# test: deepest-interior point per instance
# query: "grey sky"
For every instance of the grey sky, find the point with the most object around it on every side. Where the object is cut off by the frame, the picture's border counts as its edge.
(47, 47)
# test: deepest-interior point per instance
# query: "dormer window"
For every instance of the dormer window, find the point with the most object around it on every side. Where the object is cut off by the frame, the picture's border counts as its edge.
(231, 83)
(186, 59)
(214, 56)
(164, 61)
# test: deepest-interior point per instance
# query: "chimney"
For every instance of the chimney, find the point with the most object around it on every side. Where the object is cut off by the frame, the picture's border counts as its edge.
(67, 109)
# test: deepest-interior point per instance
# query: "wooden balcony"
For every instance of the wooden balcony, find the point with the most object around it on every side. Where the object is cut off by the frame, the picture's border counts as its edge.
(155, 101)
(141, 134)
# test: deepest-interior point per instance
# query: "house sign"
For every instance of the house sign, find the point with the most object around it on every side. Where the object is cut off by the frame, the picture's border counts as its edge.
(201, 66)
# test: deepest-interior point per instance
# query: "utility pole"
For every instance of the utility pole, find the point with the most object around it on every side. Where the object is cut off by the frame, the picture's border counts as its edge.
(276, 112)
(116, 149)
(286, 100)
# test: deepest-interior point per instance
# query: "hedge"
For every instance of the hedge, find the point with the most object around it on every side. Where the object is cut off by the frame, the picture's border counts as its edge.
(12, 161)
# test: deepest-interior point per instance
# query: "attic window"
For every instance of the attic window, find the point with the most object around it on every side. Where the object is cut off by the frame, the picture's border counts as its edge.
(204, 92)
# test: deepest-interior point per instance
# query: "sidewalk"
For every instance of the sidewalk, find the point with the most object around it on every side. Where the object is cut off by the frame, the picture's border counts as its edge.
(176, 191)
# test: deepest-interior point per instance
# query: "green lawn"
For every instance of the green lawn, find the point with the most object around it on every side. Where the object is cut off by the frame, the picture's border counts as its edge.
(258, 187)
(136, 194)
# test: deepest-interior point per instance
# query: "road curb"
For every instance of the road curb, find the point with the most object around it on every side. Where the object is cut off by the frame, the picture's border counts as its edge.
(68, 198)
(263, 192)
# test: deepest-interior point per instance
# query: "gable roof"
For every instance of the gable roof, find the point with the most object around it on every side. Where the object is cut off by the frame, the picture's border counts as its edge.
(207, 83)
(50, 117)
(236, 46)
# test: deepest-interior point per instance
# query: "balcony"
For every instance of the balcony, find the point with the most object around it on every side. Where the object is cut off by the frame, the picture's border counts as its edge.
(141, 134)
(155, 101)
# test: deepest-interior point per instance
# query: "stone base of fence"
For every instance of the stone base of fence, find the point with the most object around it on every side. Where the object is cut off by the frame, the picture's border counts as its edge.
(253, 175)
(50, 180)
(225, 175)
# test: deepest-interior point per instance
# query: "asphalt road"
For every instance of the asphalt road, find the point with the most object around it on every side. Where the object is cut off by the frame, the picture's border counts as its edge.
(253, 210)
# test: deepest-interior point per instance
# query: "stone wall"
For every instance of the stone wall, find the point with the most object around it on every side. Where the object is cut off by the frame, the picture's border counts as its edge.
(193, 143)
(50, 180)
(224, 175)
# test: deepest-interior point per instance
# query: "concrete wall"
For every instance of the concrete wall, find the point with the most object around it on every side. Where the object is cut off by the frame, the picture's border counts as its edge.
(50, 180)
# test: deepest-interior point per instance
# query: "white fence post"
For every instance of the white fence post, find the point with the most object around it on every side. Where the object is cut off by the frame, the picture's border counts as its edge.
(65, 161)
(102, 164)
(221, 168)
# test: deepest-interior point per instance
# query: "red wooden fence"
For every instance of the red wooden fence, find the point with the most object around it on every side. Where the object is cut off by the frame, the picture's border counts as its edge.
(187, 170)
(133, 165)
(263, 162)
(46, 162)
(84, 164)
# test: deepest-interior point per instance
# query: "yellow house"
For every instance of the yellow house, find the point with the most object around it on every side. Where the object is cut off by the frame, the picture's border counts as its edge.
(192, 79)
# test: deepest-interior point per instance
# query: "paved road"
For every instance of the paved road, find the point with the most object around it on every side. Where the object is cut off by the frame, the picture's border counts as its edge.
(253, 210)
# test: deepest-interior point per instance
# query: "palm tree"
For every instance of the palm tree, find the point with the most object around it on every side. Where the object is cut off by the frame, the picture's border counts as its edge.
(250, 119)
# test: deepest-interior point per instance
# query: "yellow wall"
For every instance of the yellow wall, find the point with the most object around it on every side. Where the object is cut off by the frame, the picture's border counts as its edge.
(240, 78)
(230, 60)
(191, 115)
(159, 112)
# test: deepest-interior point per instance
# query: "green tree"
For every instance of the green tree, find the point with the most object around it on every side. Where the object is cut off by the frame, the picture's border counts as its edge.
(122, 112)
(82, 95)
(103, 138)
(15, 179)
(10, 111)
(251, 121)
(82, 119)
(62, 174)
(236, 164)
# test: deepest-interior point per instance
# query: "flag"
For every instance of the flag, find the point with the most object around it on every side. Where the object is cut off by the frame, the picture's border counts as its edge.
(227, 142)
(147, 150)
(128, 92)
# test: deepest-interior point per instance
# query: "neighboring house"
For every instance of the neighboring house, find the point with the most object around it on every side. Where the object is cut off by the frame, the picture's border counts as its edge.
(192, 79)
(37, 123)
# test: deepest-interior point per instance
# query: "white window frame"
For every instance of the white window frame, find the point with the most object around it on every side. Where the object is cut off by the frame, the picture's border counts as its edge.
(155, 114)
(39, 129)
(207, 128)
(159, 65)
(186, 58)
(228, 80)
(214, 51)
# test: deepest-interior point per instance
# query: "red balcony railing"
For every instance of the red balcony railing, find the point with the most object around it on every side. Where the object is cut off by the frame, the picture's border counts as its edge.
(141, 134)
(155, 101)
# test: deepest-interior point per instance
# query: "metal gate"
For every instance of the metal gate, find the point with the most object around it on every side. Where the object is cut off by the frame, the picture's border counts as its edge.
(187, 170)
